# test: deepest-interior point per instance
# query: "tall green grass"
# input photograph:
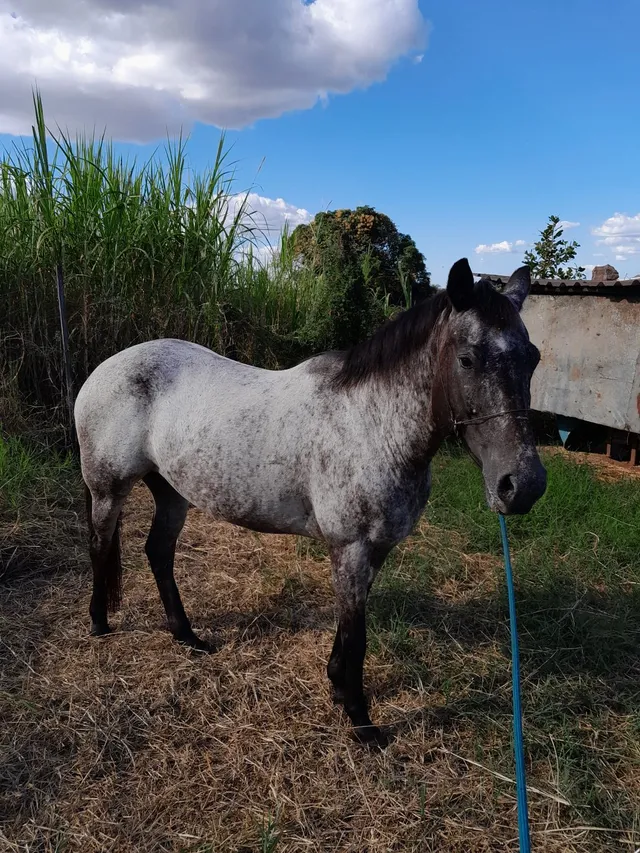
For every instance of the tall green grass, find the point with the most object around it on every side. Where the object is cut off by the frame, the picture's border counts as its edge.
(32, 476)
(146, 250)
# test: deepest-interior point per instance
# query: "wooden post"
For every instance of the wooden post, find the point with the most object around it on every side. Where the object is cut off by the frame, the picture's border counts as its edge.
(66, 353)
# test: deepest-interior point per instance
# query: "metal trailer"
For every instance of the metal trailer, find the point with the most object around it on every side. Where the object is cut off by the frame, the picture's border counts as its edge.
(588, 334)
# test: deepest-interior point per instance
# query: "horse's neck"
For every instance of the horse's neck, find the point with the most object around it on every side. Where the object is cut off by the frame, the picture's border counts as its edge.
(407, 410)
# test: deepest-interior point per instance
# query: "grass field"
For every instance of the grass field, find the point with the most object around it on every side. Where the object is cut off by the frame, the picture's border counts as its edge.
(130, 743)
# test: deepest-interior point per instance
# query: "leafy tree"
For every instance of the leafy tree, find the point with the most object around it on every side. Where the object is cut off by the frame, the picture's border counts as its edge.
(346, 310)
(551, 251)
(390, 260)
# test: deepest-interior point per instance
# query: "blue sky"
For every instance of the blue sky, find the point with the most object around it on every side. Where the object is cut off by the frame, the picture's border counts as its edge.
(467, 122)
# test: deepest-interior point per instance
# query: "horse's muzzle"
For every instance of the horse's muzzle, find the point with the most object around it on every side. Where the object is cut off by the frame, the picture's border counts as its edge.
(516, 493)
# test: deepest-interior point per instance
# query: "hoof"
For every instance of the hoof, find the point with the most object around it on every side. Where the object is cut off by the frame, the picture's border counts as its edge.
(99, 629)
(196, 644)
(371, 736)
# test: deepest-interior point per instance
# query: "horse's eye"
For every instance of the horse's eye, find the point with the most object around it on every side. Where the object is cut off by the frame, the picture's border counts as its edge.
(465, 361)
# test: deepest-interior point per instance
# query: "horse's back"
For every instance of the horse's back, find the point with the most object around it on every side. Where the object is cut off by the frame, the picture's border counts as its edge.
(198, 418)
(139, 376)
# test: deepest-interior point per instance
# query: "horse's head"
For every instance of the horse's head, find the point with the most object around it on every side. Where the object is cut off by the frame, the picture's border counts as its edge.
(489, 361)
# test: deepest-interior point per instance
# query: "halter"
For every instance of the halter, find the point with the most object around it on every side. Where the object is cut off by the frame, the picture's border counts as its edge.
(480, 419)
(483, 418)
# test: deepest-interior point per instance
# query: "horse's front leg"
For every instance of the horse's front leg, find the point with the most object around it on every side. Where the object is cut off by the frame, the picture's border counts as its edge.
(352, 576)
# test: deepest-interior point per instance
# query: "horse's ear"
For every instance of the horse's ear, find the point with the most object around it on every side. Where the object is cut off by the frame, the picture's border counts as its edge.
(518, 286)
(460, 285)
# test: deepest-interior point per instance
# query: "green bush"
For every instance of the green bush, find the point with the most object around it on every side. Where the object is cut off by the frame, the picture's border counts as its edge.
(346, 310)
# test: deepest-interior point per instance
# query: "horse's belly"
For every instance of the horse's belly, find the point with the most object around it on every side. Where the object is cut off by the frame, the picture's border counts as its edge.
(284, 515)
(258, 500)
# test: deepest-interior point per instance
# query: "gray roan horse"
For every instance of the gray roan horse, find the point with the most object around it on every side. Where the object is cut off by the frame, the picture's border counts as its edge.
(337, 448)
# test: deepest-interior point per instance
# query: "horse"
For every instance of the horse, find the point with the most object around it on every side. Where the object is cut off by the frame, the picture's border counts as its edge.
(337, 448)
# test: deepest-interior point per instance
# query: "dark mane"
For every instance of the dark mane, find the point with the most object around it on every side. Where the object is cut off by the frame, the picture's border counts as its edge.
(396, 341)
(393, 343)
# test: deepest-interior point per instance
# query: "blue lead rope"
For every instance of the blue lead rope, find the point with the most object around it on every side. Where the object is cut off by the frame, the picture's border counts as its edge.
(518, 743)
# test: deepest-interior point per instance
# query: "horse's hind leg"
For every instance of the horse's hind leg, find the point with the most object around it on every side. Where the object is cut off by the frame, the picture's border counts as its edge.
(168, 520)
(103, 518)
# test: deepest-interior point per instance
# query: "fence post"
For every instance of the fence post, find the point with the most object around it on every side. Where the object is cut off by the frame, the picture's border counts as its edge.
(66, 354)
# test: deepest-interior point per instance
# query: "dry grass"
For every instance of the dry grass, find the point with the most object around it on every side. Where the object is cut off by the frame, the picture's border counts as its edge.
(131, 743)
(608, 470)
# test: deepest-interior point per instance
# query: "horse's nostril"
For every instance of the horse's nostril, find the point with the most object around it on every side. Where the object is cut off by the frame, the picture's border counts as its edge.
(506, 486)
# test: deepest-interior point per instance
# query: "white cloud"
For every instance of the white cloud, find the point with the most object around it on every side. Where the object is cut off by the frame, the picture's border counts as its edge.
(269, 215)
(565, 224)
(142, 68)
(503, 248)
(621, 234)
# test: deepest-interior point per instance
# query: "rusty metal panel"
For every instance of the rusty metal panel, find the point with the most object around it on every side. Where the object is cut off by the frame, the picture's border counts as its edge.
(590, 357)
(559, 286)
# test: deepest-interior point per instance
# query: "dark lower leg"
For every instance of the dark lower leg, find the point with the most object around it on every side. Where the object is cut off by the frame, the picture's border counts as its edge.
(98, 606)
(353, 567)
(104, 505)
(104, 551)
(354, 647)
(162, 567)
(336, 668)
(168, 520)
(161, 560)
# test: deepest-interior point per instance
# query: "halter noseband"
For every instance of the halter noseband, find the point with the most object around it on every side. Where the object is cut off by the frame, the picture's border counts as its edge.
(483, 418)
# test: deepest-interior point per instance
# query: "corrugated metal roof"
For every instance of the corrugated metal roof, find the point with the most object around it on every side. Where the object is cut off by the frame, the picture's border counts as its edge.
(578, 286)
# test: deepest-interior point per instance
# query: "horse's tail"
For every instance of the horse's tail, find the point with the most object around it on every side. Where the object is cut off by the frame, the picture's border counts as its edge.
(110, 566)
